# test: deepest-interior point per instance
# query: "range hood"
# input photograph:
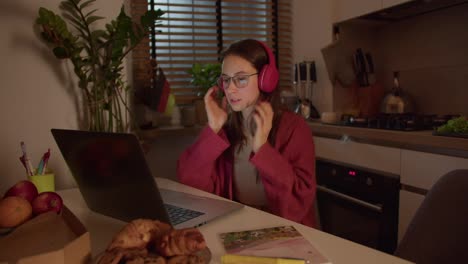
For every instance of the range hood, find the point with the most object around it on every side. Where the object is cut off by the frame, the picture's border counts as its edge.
(412, 9)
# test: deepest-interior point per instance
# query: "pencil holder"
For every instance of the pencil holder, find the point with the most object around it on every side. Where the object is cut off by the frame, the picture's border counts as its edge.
(44, 182)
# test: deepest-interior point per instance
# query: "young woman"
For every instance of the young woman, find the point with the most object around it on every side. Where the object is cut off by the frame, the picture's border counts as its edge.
(252, 150)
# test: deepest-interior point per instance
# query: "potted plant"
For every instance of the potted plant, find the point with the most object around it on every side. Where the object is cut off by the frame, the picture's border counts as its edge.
(204, 76)
(97, 56)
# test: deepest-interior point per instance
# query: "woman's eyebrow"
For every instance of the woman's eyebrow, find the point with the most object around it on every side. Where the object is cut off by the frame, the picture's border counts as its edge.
(235, 74)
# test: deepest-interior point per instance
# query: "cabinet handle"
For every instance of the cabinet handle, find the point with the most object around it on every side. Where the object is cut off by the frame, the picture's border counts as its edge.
(374, 207)
(413, 189)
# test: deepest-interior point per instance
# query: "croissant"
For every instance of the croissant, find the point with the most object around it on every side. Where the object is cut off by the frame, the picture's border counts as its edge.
(153, 259)
(115, 256)
(138, 233)
(180, 242)
(186, 259)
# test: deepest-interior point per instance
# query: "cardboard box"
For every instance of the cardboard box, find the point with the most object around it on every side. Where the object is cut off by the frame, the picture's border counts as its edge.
(48, 238)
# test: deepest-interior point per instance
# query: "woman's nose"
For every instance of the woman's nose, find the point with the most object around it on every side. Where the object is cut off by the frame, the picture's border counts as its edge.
(231, 87)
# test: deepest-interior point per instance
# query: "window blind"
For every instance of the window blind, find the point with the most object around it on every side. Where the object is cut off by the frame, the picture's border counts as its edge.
(197, 31)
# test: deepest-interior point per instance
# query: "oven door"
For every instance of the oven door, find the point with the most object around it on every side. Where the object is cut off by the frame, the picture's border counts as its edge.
(350, 218)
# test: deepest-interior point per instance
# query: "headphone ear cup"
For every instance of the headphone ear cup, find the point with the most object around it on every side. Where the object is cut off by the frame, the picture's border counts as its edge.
(268, 78)
(269, 75)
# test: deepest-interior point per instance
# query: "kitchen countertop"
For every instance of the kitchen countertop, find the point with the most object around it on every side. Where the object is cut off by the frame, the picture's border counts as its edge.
(412, 140)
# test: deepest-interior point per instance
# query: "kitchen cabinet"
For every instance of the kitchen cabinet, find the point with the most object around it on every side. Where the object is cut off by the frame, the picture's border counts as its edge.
(409, 203)
(421, 170)
(384, 159)
(345, 9)
(390, 3)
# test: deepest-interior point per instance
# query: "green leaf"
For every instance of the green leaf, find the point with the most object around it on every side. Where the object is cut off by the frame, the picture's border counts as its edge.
(96, 34)
(93, 19)
(76, 23)
(204, 75)
(109, 28)
(67, 5)
(90, 13)
(150, 17)
(86, 3)
(60, 52)
(44, 15)
(73, 13)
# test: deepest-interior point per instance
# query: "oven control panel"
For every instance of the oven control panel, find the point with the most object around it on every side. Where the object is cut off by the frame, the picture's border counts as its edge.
(357, 182)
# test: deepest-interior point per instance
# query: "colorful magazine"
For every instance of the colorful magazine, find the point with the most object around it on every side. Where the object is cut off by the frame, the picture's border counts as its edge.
(276, 242)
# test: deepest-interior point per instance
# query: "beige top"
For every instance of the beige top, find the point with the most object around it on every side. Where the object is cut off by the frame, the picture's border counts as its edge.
(248, 187)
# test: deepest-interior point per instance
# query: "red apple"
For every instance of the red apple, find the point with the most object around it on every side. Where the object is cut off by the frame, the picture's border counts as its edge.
(25, 189)
(47, 201)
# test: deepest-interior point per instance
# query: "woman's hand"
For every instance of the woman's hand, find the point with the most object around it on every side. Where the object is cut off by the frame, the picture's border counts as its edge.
(263, 117)
(217, 114)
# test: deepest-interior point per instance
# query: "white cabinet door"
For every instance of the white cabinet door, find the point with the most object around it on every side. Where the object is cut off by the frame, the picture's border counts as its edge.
(364, 155)
(346, 9)
(409, 203)
(390, 3)
(422, 170)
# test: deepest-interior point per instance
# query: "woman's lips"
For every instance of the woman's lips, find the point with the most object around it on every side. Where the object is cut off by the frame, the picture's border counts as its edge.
(234, 101)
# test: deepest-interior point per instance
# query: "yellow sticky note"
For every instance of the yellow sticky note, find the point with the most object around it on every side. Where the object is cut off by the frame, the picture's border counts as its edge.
(234, 259)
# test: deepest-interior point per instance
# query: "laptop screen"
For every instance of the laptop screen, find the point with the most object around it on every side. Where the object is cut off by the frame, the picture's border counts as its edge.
(111, 172)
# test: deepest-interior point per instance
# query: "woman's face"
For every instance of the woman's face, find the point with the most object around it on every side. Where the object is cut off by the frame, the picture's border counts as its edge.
(240, 98)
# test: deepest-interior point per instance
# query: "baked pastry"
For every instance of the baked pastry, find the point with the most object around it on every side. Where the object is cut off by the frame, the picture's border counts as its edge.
(138, 233)
(180, 242)
(115, 256)
(186, 259)
(145, 241)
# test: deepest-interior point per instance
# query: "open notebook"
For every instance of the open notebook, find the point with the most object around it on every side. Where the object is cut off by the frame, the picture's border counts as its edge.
(111, 172)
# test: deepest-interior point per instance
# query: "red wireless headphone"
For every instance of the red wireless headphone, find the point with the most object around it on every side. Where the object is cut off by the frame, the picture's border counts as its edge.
(269, 75)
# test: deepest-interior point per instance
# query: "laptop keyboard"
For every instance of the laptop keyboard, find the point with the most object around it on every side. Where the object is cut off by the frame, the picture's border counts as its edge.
(179, 215)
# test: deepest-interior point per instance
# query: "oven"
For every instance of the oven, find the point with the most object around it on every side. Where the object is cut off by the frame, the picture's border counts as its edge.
(358, 204)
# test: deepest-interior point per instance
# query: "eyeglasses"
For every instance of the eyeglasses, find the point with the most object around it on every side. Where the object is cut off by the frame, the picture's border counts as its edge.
(240, 81)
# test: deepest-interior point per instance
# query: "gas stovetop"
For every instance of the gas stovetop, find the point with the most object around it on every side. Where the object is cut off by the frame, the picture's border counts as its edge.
(402, 122)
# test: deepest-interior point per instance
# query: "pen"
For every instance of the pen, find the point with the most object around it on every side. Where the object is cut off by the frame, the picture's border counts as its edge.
(24, 164)
(45, 159)
(26, 160)
(232, 259)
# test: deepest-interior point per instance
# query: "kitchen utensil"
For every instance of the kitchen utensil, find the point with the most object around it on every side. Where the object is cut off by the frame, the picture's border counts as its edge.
(361, 68)
(371, 69)
(396, 101)
(305, 76)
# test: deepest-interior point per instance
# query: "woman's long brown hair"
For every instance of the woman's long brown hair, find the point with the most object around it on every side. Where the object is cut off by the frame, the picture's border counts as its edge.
(252, 51)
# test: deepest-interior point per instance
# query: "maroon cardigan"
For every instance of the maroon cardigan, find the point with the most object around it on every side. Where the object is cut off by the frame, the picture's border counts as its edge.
(287, 170)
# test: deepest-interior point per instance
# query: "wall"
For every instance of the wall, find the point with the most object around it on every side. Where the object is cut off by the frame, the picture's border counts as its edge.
(312, 31)
(37, 91)
(429, 51)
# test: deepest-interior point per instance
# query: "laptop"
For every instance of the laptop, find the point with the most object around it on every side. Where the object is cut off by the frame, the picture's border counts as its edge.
(114, 179)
